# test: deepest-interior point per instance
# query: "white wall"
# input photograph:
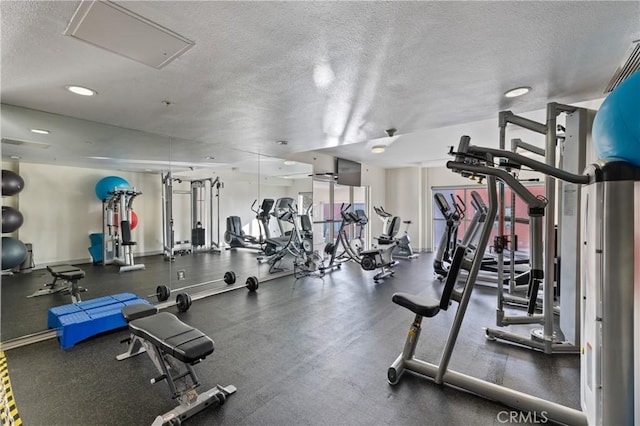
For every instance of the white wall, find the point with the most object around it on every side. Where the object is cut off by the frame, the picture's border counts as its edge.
(61, 209)
(404, 192)
(375, 179)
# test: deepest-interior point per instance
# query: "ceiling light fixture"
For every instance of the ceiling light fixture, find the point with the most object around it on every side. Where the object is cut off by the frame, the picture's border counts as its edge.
(15, 157)
(323, 75)
(378, 149)
(282, 142)
(41, 131)
(209, 157)
(289, 162)
(83, 91)
(518, 91)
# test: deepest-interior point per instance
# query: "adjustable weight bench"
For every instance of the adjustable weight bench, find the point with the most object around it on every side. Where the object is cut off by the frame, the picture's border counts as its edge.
(70, 275)
(174, 347)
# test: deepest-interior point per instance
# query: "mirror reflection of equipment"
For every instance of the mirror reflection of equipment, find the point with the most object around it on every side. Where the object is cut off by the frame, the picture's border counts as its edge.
(117, 198)
(201, 203)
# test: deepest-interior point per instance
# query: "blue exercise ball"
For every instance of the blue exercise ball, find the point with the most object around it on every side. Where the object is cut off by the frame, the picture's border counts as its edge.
(12, 183)
(14, 252)
(616, 128)
(107, 184)
(12, 219)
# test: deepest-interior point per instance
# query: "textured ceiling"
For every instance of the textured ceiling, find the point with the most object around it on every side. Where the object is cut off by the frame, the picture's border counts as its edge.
(318, 74)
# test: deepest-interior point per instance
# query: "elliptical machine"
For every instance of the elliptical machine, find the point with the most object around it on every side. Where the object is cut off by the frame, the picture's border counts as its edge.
(299, 243)
(235, 237)
(369, 260)
(449, 240)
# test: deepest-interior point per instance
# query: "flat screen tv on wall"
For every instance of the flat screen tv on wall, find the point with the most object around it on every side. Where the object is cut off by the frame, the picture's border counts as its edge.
(349, 172)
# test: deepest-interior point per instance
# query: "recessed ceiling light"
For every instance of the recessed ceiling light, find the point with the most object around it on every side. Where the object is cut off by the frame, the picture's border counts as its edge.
(518, 91)
(282, 142)
(378, 149)
(79, 90)
(209, 157)
(41, 131)
(289, 162)
(15, 157)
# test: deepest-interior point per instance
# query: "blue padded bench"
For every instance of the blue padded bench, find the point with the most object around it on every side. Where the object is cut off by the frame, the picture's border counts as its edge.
(79, 321)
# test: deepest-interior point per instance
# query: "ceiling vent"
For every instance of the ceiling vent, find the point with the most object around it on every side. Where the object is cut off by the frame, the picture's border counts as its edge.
(630, 64)
(116, 29)
(27, 144)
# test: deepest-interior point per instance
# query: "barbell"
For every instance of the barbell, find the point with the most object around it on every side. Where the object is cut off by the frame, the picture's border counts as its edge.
(163, 292)
(183, 300)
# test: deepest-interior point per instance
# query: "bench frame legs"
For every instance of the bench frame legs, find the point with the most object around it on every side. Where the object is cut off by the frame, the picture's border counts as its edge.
(182, 382)
(215, 396)
(70, 286)
(136, 347)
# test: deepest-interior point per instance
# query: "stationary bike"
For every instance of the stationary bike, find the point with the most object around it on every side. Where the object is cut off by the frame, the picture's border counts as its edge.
(403, 250)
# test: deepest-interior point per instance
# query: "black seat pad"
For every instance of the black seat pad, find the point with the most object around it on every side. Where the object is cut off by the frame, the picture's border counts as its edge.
(385, 240)
(138, 310)
(57, 270)
(424, 306)
(174, 337)
(70, 275)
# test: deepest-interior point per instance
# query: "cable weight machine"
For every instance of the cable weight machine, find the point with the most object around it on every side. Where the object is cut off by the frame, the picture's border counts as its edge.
(202, 195)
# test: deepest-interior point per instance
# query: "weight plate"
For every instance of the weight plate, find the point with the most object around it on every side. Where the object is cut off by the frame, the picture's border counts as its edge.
(328, 249)
(229, 277)
(162, 293)
(368, 263)
(183, 302)
(227, 237)
(252, 284)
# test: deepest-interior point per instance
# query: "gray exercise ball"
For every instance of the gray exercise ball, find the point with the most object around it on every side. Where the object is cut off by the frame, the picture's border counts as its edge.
(12, 219)
(12, 183)
(14, 252)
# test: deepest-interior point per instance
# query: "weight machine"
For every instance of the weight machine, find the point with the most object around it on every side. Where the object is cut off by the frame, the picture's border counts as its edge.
(117, 245)
(202, 194)
(609, 224)
(566, 153)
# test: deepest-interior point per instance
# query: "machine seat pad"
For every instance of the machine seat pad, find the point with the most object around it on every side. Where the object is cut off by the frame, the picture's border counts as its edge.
(138, 310)
(385, 240)
(57, 271)
(72, 275)
(173, 337)
(419, 305)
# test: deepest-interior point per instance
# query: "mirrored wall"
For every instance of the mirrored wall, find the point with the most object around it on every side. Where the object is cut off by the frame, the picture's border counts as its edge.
(194, 211)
